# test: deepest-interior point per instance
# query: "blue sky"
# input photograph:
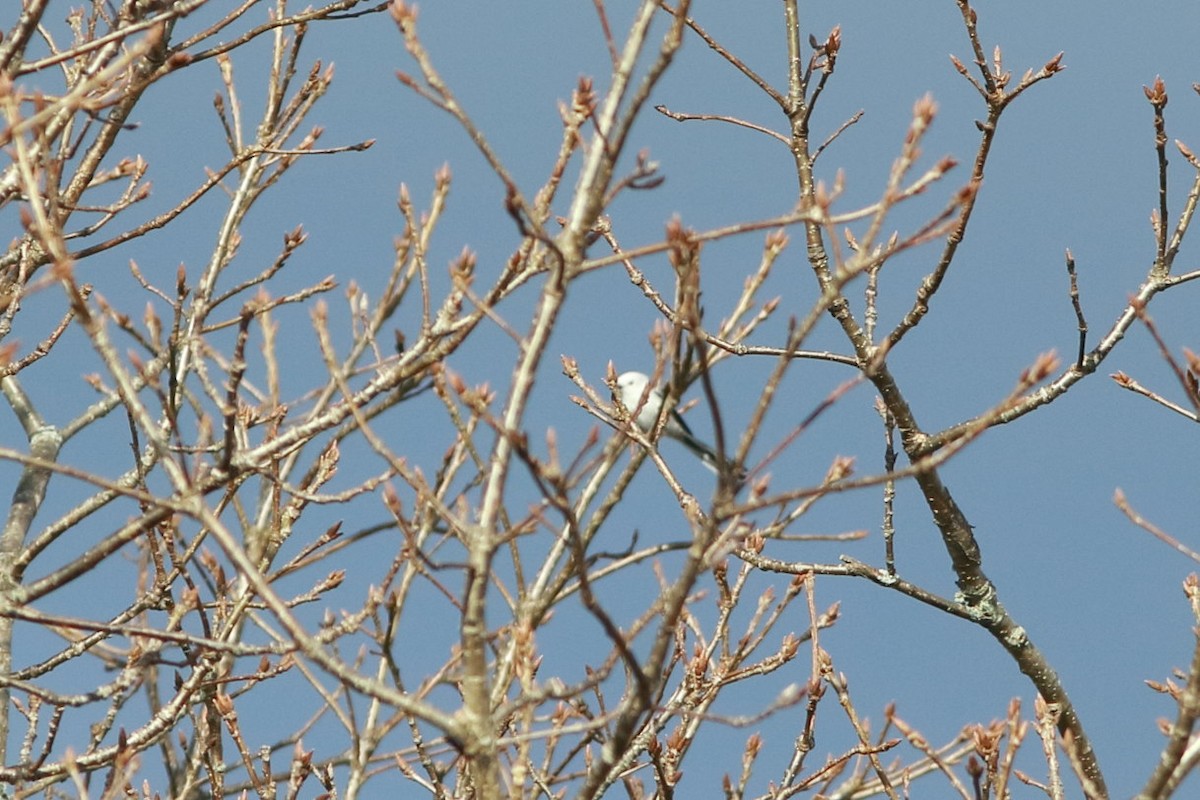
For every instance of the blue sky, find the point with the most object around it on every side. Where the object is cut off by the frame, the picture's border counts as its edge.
(1073, 167)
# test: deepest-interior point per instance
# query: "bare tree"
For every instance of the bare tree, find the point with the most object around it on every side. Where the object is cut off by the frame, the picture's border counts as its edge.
(212, 598)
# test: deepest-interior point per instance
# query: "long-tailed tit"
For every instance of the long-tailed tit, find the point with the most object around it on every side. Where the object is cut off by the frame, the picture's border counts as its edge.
(646, 404)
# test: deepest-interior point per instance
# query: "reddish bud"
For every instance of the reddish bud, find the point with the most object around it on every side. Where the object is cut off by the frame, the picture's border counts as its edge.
(1156, 94)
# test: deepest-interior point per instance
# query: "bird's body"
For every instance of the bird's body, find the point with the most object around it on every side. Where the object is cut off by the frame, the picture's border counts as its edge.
(645, 403)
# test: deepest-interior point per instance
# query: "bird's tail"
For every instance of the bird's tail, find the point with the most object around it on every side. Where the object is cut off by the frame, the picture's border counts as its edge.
(714, 462)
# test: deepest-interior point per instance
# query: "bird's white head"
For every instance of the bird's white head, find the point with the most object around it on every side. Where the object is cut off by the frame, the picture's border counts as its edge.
(631, 385)
(642, 402)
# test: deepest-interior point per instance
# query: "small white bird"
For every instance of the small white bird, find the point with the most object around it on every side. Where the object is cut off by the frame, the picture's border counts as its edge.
(645, 406)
